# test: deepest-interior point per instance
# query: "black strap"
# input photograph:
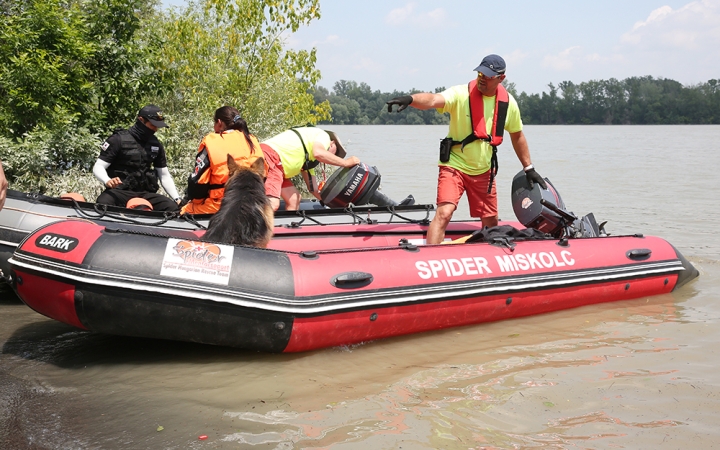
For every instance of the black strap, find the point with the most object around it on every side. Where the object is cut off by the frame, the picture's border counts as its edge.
(307, 165)
(501, 118)
(493, 168)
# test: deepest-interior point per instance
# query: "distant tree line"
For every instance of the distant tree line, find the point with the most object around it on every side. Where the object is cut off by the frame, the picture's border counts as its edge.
(358, 104)
(635, 100)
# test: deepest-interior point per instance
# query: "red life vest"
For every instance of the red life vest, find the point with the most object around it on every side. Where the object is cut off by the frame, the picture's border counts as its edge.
(477, 115)
(477, 119)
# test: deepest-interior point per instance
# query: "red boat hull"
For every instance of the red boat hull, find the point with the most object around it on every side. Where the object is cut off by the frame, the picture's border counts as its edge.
(341, 285)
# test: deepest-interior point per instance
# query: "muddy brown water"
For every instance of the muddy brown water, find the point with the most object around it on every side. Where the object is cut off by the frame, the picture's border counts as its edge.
(643, 373)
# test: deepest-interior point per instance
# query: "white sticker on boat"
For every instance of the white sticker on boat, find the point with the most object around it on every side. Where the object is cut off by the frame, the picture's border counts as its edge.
(199, 261)
(56, 242)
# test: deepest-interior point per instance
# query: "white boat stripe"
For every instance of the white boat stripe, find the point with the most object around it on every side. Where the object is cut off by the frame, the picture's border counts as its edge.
(344, 301)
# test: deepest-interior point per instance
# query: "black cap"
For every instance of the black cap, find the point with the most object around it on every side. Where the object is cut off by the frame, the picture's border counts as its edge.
(491, 65)
(154, 115)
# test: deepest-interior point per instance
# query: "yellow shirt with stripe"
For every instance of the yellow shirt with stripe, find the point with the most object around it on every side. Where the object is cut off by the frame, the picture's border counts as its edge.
(474, 159)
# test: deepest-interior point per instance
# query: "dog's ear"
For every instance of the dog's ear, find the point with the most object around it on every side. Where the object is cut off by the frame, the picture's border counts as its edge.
(259, 167)
(232, 165)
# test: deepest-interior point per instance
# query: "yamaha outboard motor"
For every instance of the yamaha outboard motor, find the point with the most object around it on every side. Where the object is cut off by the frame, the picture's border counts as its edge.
(357, 185)
(544, 210)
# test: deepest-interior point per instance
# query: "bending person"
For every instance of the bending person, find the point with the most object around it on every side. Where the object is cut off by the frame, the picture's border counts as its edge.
(132, 162)
(206, 184)
(297, 150)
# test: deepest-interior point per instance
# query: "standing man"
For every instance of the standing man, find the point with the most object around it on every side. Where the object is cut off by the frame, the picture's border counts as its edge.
(479, 112)
(295, 150)
(132, 162)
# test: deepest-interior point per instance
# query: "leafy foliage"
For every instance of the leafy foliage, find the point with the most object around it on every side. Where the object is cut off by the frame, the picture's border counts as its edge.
(37, 162)
(232, 53)
(126, 67)
(44, 57)
(72, 70)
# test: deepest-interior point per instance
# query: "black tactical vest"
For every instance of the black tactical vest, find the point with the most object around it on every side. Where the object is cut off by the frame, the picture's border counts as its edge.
(133, 164)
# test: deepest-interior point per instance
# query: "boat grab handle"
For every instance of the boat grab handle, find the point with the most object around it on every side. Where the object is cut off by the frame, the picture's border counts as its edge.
(351, 280)
(639, 254)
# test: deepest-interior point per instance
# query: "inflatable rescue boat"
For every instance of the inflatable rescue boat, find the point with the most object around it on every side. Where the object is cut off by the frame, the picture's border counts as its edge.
(321, 285)
(347, 196)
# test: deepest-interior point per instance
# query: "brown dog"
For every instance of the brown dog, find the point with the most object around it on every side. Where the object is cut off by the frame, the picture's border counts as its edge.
(245, 216)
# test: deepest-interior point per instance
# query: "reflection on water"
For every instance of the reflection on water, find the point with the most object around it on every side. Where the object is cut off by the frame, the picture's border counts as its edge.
(520, 396)
(634, 374)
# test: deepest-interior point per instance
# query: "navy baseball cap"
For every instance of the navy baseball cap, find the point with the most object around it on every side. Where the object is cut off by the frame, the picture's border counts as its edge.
(154, 115)
(491, 65)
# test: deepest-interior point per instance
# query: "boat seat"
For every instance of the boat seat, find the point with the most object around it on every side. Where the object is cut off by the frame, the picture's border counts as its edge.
(72, 196)
(139, 203)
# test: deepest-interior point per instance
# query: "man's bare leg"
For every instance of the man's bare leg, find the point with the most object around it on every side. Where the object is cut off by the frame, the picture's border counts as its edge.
(436, 230)
(292, 198)
(490, 221)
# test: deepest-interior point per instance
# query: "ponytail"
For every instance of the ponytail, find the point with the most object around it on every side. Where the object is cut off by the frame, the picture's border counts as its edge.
(233, 121)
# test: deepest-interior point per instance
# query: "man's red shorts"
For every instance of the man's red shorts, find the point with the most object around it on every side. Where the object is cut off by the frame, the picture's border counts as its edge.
(275, 180)
(452, 184)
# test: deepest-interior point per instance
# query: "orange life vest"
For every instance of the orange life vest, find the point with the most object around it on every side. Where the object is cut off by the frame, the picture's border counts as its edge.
(218, 146)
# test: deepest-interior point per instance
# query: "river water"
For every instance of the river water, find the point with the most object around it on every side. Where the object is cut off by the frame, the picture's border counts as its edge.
(635, 374)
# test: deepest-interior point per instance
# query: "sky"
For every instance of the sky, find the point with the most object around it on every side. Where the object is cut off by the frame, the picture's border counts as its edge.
(402, 45)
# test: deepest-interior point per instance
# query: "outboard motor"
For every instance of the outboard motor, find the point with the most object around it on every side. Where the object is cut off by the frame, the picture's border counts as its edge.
(544, 210)
(357, 185)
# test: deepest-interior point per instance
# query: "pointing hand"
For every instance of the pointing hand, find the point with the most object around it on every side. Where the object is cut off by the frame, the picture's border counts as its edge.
(402, 102)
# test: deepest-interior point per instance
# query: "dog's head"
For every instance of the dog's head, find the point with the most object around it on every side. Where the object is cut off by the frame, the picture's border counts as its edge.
(257, 167)
(246, 215)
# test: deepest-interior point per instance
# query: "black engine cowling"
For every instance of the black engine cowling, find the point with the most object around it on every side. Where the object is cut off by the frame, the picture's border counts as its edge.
(539, 208)
(544, 210)
(357, 185)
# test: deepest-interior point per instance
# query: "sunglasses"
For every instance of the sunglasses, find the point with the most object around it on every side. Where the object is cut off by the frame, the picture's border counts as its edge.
(482, 75)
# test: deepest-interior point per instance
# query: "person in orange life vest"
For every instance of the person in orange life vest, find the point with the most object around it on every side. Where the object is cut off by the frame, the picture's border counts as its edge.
(206, 183)
(297, 150)
(472, 141)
